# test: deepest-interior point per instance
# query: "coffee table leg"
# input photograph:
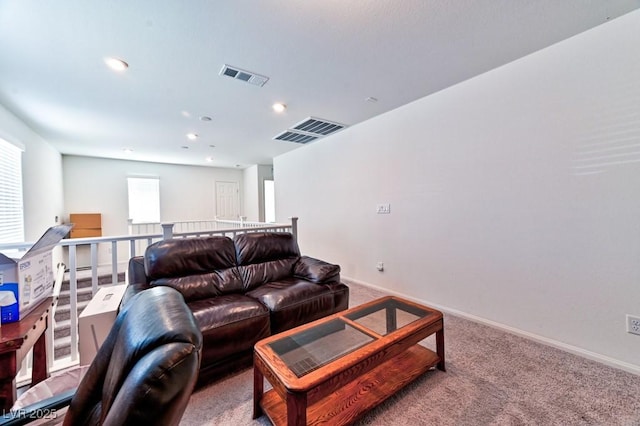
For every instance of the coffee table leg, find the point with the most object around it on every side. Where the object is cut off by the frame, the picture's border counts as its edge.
(258, 389)
(391, 320)
(296, 409)
(440, 348)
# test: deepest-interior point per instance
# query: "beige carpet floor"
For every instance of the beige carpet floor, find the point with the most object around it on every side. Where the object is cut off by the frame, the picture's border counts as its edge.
(492, 378)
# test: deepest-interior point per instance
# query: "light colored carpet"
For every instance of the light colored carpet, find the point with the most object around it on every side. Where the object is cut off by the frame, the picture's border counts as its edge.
(492, 378)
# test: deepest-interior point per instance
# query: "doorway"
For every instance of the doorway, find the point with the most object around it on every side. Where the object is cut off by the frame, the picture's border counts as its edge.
(227, 200)
(269, 201)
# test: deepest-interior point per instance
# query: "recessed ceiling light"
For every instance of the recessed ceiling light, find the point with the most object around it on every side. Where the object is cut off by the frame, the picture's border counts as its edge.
(184, 147)
(209, 159)
(205, 118)
(371, 99)
(185, 114)
(116, 64)
(212, 146)
(192, 136)
(279, 107)
(127, 150)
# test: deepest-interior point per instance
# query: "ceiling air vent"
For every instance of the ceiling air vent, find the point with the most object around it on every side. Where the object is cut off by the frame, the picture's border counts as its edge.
(243, 75)
(319, 126)
(309, 130)
(290, 136)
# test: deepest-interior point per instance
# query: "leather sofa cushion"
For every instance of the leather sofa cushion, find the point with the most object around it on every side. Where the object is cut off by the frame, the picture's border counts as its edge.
(258, 274)
(293, 301)
(197, 267)
(230, 324)
(265, 256)
(186, 256)
(203, 286)
(259, 247)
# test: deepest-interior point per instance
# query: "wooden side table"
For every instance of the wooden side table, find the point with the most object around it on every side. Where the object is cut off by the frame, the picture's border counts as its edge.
(16, 339)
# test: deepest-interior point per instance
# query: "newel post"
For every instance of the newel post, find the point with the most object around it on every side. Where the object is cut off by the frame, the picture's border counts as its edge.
(167, 231)
(294, 227)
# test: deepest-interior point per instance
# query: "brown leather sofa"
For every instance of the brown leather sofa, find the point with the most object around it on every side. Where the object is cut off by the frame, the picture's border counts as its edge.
(240, 290)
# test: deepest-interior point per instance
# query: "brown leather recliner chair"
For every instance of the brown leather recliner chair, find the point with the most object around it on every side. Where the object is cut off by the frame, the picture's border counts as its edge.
(144, 372)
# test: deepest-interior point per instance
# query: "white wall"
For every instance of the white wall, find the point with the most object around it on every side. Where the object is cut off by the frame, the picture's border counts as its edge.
(254, 177)
(251, 193)
(95, 185)
(42, 176)
(515, 196)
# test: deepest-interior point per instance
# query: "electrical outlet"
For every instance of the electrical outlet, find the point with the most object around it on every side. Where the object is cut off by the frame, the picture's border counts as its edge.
(633, 324)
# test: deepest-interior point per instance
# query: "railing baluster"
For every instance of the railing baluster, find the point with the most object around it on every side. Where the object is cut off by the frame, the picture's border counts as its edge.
(94, 268)
(57, 286)
(73, 302)
(132, 248)
(167, 230)
(114, 262)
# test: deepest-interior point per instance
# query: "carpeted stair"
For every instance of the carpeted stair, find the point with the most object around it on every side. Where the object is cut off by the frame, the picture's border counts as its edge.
(62, 323)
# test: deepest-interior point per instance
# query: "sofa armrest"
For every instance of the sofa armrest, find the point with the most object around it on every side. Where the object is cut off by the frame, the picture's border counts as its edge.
(316, 271)
(137, 279)
(135, 270)
(132, 290)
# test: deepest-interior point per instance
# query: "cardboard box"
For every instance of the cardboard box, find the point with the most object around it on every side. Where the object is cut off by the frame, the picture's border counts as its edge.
(86, 220)
(27, 280)
(96, 320)
(86, 225)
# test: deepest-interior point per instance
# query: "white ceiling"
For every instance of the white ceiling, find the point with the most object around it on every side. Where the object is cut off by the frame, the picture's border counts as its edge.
(323, 59)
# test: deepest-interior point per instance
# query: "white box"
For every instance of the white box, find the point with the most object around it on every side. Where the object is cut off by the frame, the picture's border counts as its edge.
(96, 320)
(28, 277)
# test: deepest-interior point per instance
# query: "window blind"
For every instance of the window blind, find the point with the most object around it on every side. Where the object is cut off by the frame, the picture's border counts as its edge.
(11, 206)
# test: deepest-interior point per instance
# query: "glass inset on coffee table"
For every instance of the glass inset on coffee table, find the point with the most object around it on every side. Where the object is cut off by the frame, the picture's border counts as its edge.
(388, 315)
(361, 355)
(314, 347)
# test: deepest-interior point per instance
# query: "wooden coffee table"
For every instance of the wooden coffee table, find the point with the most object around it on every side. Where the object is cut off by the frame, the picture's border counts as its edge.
(335, 369)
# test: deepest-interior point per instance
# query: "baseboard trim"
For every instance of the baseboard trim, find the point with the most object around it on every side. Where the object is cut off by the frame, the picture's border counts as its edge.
(612, 362)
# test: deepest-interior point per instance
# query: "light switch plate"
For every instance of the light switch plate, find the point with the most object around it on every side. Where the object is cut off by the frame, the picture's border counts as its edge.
(383, 208)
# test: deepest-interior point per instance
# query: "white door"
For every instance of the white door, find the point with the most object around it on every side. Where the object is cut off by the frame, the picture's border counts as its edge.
(227, 200)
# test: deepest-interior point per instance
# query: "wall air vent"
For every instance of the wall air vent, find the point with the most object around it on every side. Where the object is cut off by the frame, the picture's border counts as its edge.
(309, 130)
(243, 75)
